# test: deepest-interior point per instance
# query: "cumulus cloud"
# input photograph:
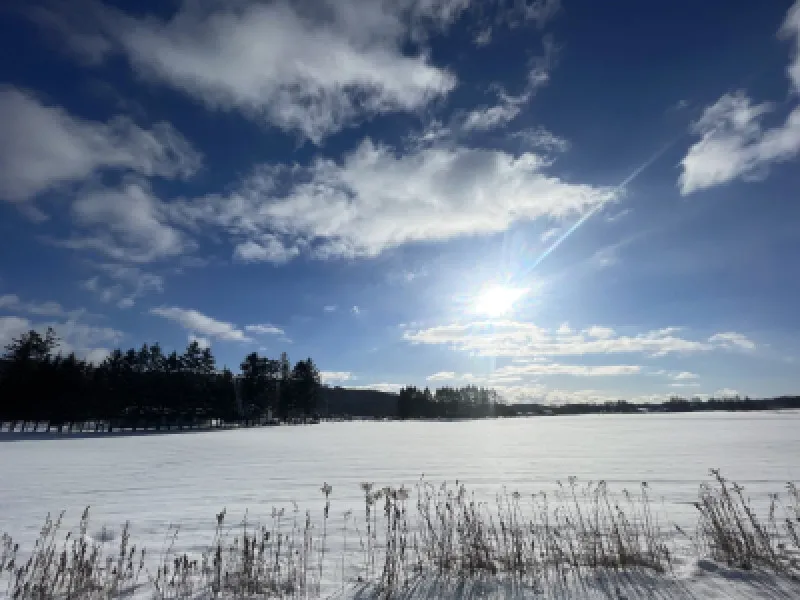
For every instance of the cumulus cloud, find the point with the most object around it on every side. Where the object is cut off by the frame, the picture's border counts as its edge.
(514, 339)
(127, 223)
(43, 146)
(376, 199)
(264, 329)
(732, 144)
(198, 323)
(354, 59)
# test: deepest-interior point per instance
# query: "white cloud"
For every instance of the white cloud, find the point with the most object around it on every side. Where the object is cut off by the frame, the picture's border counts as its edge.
(12, 327)
(732, 143)
(355, 310)
(312, 68)
(483, 119)
(684, 375)
(500, 115)
(132, 283)
(540, 11)
(599, 332)
(269, 248)
(564, 329)
(515, 339)
(329, 308)
(377, 199)
(539, 138)
(203, 342)
(335, 376)
(86, 341)
(483, 37)
(127, 223)
(732, 340)
(197, 322)
(725, 393)
(43, 146)
(264, 329)
(538, 369)
(791, 29)
(12, 302)
(442, 376)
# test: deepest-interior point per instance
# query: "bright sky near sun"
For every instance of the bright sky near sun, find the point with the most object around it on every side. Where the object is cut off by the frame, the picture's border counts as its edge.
(566, 200)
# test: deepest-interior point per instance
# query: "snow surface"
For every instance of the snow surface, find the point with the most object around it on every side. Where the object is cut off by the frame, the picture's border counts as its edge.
(185, 479)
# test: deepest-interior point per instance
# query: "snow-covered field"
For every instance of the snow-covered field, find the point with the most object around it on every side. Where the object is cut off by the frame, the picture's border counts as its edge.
(159, 480)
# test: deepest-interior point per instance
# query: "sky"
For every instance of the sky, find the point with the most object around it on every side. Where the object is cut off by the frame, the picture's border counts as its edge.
(565, 200)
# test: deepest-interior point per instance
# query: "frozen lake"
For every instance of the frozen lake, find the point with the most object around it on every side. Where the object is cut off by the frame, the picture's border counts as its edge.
(186, 478)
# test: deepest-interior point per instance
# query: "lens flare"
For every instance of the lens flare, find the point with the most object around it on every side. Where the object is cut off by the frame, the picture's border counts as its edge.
(497, 300)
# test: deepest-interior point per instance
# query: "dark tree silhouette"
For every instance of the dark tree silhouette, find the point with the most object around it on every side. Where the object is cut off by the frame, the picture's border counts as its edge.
(144, 386)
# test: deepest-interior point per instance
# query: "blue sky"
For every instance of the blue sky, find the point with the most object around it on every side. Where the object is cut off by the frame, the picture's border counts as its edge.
(565, 200)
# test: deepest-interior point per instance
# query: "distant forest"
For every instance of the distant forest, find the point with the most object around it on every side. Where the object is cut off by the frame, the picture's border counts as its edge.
(147, 386)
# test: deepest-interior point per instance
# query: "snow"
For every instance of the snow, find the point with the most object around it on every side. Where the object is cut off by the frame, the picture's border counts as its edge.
(155, 481)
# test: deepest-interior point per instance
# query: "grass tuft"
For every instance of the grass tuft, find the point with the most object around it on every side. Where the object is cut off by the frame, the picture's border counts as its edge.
(537, 541)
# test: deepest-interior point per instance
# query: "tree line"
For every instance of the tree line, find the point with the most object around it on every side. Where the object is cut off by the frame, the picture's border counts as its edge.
(147, 385)
(467, 402)
(673, 405)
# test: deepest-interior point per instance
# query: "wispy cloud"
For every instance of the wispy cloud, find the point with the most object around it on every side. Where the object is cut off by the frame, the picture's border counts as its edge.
(127, 223)
(442, 376)
(268, 248)
(732, 143)
(198, 323)
(517, 339)
(377, 199)
(329, 308)
(731, 339)
(540, 138)
(685, 375)
(510, 106)
(43, 146)
(264, 329)
(13, 303)
(131, 283)
(351, 61)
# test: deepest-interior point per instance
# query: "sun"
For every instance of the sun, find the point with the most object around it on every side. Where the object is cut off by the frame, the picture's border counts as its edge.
(497, 300)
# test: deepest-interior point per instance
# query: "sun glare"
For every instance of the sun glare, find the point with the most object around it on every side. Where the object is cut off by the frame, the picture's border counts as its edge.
(497, 300)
